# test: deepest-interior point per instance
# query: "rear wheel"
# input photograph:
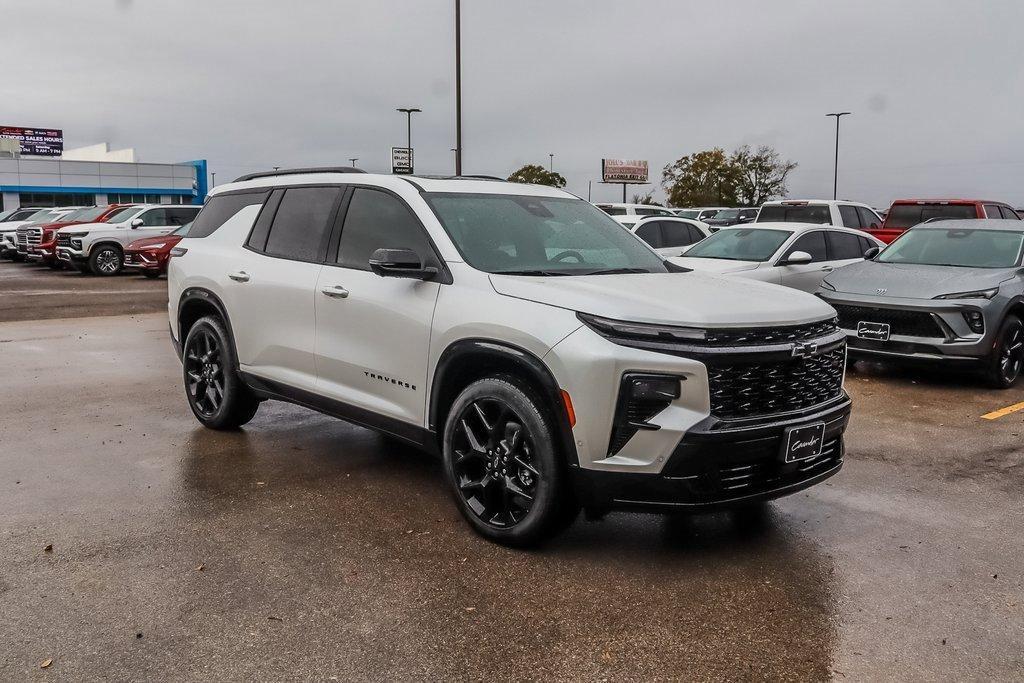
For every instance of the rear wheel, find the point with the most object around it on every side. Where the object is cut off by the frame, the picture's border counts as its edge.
(218, 397)
(1007, 357)
(106, 259)
(502, 465)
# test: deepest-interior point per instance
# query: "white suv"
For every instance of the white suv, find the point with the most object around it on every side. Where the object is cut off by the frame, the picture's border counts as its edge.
(99, 247)
(821, 211)
(551, 358)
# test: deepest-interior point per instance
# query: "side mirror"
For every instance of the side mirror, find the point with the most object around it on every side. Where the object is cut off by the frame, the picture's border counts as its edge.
(797, 258)
(871, 253)
(400, 263)
(136, 223)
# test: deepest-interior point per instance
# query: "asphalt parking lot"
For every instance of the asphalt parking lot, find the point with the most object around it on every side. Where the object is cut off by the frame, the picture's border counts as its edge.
(139, 546)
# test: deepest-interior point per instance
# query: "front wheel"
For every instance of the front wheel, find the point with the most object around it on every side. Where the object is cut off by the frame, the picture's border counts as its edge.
(501, 463)
(106, 260)
(218, 397)
(1007, 357)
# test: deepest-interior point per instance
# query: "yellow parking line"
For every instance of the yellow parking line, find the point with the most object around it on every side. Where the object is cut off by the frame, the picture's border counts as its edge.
(1003, 411)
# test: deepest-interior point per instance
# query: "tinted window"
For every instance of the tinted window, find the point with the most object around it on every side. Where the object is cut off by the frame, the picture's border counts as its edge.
(154, 218)
(813, 243)
(909, 215)
(180, 216)
(220, 208)
(845, 245)
(613, 210)
(1009, 213)
(261, 228)
(865, 244)
(992, 211)
(650, 233)
(799, 213)
(868, 219)
(651, 212)
(850, 217)
(300, 224)
(695, 234)
(377, 220)
(675, 234)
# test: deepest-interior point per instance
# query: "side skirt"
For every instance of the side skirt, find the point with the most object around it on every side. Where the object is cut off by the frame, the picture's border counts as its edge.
(420, 437)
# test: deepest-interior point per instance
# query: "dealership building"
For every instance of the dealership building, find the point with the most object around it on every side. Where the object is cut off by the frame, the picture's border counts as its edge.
(37, 171)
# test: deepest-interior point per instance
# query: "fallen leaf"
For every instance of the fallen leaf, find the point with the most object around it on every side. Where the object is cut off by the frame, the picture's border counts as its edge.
(471, 609)
(201, 568)
(45, 664)
(48, 549)
(274, 619)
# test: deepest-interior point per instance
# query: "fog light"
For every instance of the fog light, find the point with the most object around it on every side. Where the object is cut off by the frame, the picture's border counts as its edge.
(975, 321)
(654, 388)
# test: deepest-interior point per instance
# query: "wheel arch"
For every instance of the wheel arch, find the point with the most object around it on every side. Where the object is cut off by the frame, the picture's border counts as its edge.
(103, 243)
(467, 360)
(195, 303)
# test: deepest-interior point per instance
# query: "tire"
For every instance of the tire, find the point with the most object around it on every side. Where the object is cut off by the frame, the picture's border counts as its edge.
(502, 465)
(106, 260)
(17, 258)
(1004, 364)
(151, 274)
(216, 394)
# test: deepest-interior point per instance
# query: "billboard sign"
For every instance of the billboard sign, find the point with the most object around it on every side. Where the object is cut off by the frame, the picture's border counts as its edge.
(401, 160)
(624, 170)
(43, 142)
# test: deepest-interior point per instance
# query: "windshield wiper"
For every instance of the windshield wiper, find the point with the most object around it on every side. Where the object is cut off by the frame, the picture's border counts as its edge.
(543, 273)
(615, 271)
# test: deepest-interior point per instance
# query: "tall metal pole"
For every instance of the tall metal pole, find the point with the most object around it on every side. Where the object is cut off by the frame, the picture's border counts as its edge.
(551, 164)
(408, 111)
(458, 87)
(590, 186)
(835, 170)
(213, 179)
(353, 160)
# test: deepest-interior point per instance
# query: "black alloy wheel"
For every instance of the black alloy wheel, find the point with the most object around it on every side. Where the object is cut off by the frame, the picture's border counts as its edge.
(1008, 354)
(217, 395)
(503, 465)
(204, 373)
(494, 465)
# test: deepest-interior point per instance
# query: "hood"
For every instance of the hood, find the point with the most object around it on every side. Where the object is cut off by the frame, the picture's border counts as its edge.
(150, 241)
(914, 281)
(691, 299)
(78, 227)
(714, 265)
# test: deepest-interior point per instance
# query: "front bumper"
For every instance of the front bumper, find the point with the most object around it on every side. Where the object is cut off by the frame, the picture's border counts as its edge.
(140, 260)
(950, 337)
(718, 464)
(68, 255)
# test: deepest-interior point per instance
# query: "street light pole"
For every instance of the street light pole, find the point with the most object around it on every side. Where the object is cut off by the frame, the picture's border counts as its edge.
(213, 179)
(458, 87)
(551, 165)
(835, 170)
(353, 160)
(408, 122)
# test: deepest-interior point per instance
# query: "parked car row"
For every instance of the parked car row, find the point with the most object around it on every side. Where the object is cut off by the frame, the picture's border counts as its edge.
(101, 240)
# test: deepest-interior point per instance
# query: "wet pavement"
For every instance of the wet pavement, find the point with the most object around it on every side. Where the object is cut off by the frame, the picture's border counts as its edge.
(306, 548)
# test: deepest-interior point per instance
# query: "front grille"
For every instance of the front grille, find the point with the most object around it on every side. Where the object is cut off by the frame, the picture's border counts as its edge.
(910, 323)
(63, 240)
(757, 388)
(761, 336)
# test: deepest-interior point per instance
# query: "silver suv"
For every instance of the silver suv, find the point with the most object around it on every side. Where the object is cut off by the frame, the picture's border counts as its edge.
(552, 359)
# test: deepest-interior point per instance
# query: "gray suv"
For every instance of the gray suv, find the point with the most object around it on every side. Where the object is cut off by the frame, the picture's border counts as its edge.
(950, 291)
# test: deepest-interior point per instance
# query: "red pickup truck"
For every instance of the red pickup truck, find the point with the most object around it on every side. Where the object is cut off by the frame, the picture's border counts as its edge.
(906, 213)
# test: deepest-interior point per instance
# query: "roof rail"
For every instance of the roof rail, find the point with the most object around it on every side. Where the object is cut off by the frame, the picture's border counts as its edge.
(459, 177)
(299, 171)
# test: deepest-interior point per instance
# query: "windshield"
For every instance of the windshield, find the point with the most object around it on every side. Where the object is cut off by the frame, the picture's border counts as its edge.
(526, 235)
(40, 216)
(122, 215)
(727, 215)
(688, 213)
(740, 244)
(802, 213)
(85, 215)
(909, 215)
(956, 247)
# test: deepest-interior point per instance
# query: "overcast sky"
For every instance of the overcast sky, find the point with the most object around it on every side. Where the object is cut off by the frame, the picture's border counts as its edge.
(936, 87)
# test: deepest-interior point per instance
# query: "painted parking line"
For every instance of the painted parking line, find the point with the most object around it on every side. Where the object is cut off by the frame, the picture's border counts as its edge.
(1003, 411)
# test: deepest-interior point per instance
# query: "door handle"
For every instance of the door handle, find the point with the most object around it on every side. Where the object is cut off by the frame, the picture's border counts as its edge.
(239, 276)
(828, 269)
(335, 292)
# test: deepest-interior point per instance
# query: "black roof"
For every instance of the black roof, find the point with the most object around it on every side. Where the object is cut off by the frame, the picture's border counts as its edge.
(299, 171)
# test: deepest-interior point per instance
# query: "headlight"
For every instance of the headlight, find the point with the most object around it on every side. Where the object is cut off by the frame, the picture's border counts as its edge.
(607, 327)
(828, 285)
(977, 294)
(76, 234)
(153, 247)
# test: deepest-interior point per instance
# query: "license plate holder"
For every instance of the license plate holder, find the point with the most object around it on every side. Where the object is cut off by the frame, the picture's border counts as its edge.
(803, 442)
(870, 330)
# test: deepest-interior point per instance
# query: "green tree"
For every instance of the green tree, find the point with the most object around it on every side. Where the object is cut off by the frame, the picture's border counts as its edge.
(535, 174)
(760, 174)
(705, 178)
